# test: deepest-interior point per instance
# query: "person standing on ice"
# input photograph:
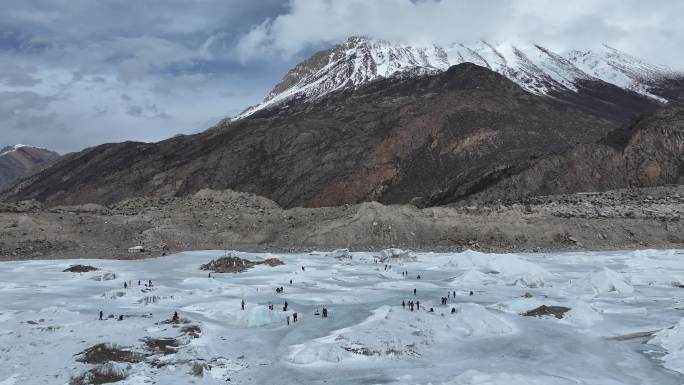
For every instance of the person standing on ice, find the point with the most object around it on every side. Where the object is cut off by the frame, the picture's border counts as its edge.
(242, 304)
(100, 315)
(294, 316)
(403, 304)
(414, 291)
(285, 307)
(417, 305)
(288, 320)
(125, 285)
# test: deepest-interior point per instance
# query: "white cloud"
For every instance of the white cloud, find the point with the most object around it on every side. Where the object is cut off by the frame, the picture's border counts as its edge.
(65, 64)
(650, 29)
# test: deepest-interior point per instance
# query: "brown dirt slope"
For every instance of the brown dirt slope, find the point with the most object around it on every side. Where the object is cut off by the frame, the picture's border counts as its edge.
(226, 220)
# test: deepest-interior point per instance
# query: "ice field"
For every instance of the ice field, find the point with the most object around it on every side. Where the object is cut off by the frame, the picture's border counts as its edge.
(623, 326)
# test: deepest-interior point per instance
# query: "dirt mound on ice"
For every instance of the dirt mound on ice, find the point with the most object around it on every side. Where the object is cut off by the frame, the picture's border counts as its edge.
(80, 269)
(233, 264)
(103, 353)
(556, 311)
(103, 374)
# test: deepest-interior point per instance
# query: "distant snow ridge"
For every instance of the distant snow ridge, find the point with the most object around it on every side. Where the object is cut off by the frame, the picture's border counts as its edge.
(536, 69)
(509, 268)
(601, 282)
(9, 149)
(672, 339)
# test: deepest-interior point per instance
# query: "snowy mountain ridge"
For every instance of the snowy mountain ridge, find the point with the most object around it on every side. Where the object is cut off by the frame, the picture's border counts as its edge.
(536, 69)
(8, 149)
(20, 160)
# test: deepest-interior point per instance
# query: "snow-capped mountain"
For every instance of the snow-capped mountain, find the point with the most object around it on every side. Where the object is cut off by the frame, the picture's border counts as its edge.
(535, 68)
(20, 160)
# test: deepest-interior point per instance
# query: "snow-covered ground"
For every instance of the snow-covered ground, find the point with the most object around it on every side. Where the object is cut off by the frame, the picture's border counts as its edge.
(48, 317)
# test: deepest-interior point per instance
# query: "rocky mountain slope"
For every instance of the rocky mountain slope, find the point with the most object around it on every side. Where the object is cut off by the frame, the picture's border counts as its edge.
(20, 161)
(536, 69)
(391, 140)
(648, 151)
(369, 120)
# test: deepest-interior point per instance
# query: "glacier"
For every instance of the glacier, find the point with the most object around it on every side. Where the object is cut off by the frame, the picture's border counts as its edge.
(623, 327)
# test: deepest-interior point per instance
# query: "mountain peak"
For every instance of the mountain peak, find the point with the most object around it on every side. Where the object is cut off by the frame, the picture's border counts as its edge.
(536, 69)
(20, 160)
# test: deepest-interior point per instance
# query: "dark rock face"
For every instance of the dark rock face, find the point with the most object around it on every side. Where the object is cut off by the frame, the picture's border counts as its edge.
(649, 151)
(428, 140)
(19, 162)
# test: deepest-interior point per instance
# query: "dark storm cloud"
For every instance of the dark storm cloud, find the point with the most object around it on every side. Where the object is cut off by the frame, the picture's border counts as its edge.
(76, 73)
(121, 65)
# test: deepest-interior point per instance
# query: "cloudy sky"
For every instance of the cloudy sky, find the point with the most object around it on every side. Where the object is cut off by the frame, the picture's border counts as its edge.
(75, 73)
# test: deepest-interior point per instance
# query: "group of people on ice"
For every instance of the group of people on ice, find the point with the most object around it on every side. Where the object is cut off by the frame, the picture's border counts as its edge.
(411, 305)
(126, 285)
(295, 315)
